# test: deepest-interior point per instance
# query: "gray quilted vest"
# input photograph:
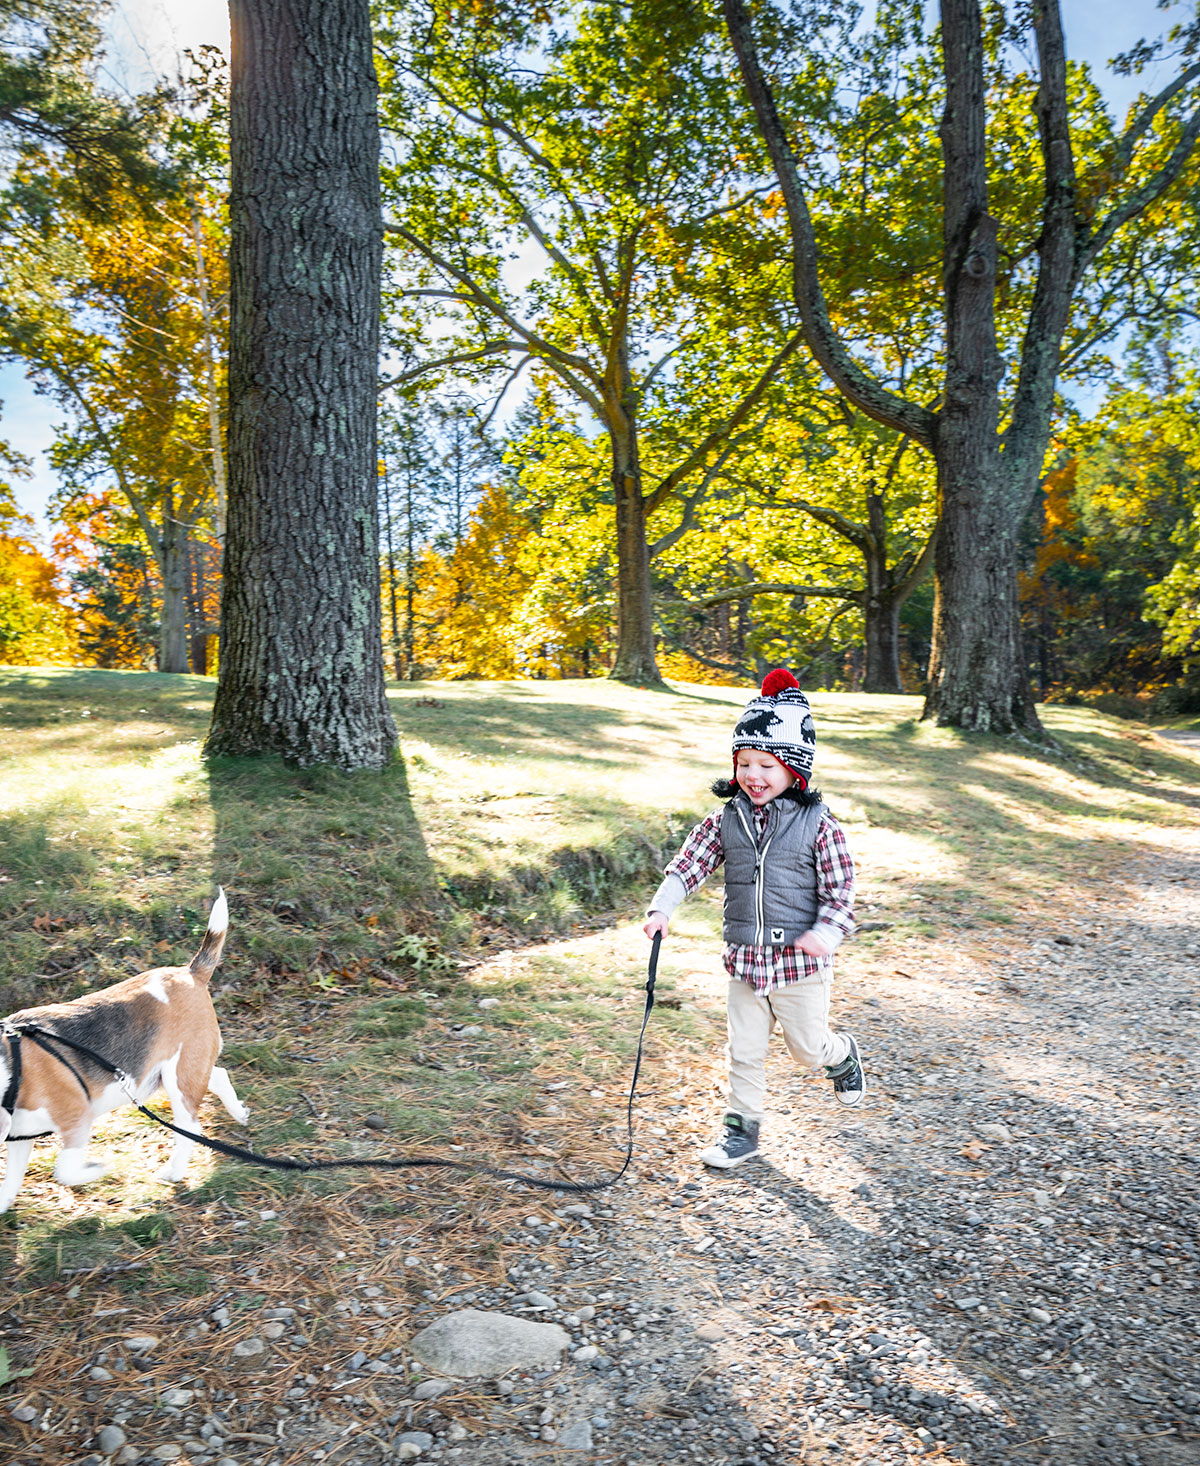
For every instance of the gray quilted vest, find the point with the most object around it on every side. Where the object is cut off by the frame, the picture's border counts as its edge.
(770, 889)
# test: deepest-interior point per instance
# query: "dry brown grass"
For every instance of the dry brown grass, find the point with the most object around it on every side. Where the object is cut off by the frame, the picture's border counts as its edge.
(515, 797)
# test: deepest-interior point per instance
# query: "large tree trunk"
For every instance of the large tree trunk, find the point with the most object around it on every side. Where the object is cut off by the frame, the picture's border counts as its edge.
(881, 605)
(172, 631)
(882, 640)
(977, 676)
(301, 671)
(636, 660)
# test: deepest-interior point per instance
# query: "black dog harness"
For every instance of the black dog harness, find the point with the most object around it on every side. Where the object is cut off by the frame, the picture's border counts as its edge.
(45, 1039)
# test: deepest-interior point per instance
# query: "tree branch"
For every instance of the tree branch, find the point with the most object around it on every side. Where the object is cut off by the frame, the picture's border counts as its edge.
(839, 523)
(1141, 198)
(527, 217)
(766, 588)
(906, 584)
(565, 363)
(1050, 310)
(508, 381)
(1142, 123)
(692, 501)
(823, 341)
(719, 434)
(493, 348)
(729, 207)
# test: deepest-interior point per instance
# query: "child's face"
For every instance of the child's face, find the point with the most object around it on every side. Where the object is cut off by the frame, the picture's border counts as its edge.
(761, 775)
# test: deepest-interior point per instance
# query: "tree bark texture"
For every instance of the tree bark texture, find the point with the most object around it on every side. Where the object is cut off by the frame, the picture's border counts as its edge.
(216, 433)
(301, 669)
(172, 627)
(882, 640)
(977, 674)
(881, 606)
(635, 660)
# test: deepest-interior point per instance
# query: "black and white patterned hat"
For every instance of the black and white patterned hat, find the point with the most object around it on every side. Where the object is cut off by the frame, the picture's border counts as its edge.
(779, 722)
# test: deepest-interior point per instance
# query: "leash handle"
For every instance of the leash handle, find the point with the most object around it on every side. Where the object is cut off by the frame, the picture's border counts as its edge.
(652, 973)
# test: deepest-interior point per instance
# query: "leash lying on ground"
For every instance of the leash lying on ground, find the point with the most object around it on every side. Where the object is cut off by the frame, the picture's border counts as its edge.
(45, 1038)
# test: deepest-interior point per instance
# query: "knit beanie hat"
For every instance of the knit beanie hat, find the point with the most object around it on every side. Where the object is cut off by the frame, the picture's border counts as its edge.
(779, 722)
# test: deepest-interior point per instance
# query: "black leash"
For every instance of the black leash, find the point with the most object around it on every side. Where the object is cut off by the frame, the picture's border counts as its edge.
(283, 1163)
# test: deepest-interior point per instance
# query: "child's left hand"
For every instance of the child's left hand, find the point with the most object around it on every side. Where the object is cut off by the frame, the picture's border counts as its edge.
(814, 944)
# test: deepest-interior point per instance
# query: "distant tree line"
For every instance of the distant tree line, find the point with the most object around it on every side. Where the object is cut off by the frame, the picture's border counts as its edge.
(704, 343)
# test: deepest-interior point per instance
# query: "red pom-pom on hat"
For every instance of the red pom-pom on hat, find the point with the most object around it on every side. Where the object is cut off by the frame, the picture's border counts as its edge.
(778, 681)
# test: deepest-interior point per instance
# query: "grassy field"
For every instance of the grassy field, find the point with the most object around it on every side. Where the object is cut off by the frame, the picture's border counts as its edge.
(504, 861)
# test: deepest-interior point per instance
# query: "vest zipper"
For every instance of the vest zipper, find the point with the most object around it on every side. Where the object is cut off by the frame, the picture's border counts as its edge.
(760, 858)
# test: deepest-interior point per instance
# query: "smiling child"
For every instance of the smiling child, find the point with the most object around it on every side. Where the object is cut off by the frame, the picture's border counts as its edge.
(789, 901)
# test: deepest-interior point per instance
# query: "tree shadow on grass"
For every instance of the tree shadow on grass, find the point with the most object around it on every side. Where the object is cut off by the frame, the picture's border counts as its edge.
(60, 695)
(493, 719)
(325, 869)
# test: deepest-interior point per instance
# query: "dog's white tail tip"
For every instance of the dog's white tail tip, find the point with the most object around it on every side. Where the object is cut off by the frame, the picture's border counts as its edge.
(218, 917)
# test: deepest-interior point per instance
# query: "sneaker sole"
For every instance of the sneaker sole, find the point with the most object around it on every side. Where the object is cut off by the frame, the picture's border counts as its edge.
(727, 1163)
(857, 1094)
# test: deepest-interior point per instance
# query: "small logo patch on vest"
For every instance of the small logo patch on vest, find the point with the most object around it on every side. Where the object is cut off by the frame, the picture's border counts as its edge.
(777, 934)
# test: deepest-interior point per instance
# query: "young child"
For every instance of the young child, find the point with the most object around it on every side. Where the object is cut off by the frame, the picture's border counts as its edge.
(789, 901)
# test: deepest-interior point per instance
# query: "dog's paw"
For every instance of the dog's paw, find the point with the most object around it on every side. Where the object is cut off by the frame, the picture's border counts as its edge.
(240, 1113)
(81, 1175)
(171, 1174)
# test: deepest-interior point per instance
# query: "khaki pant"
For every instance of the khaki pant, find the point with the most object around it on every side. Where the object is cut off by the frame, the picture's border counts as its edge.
(802, 1012)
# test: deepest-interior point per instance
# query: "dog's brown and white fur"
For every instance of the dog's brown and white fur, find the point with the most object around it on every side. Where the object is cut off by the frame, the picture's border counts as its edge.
(158, 1027)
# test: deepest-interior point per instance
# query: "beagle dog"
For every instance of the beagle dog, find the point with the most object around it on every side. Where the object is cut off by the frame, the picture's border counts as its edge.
(159, 1029)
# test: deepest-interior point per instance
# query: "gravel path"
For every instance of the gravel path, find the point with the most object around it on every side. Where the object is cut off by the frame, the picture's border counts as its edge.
(992, 1261)
(1189, 737)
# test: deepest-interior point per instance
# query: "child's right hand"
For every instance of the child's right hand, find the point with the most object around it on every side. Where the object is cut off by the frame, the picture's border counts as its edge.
(656, 925)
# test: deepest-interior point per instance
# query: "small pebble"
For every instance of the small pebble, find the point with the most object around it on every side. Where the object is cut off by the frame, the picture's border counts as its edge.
(432, 1389)
(110, 1439)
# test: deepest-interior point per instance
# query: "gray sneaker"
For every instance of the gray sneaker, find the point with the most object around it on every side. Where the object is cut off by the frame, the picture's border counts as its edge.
(849, 1081)
(738, 1144)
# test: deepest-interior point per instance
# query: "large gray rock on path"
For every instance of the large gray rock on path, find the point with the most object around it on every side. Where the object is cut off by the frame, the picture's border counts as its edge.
(471, 1344)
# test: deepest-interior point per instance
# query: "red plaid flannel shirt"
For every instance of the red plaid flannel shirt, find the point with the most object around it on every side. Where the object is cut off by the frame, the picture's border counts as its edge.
(766, 968)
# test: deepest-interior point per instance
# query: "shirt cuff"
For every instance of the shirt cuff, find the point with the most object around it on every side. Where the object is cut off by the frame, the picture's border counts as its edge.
(668, 896)
(829, 933)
